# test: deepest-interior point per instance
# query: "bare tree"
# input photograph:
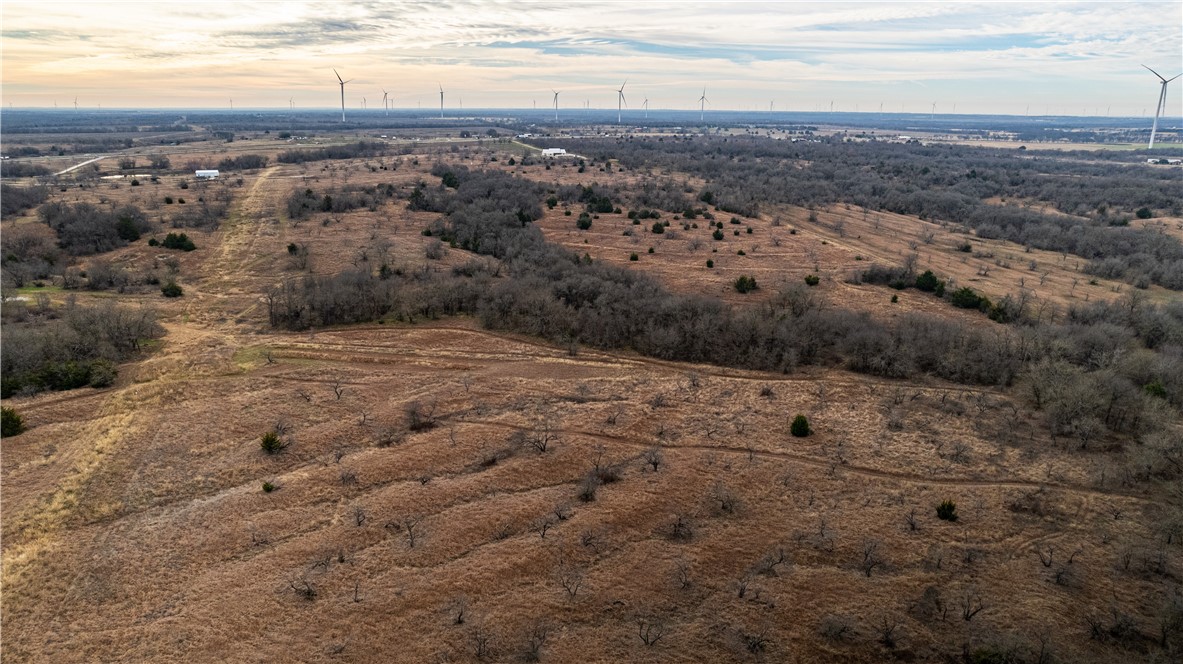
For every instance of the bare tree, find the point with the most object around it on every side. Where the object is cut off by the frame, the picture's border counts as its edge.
(571, 579)
(359, 516)
(652, 457)
(650, 630)
(539, 632)
(971, 605)
(338, 389)
(910, 519)
(871, 558)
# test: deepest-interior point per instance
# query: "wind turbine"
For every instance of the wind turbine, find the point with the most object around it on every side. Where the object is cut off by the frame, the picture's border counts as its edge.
(75, 103)
(342, 94)
(1162, 103)
(232, 104)
(620, 100)
(702, 105)
(646, 107)
(934, 111)
(385, 100)
(556, 104)
(363, 103)
(291, 103)
(441, 100)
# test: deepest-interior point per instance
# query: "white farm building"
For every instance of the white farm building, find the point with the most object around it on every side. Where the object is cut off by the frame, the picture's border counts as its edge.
(554, 152)
(206, 175)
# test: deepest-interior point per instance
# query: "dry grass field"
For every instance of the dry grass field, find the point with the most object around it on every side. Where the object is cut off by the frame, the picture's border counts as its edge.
(432, 502)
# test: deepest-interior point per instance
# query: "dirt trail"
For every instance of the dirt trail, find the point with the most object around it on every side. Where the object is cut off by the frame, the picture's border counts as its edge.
(229, 283)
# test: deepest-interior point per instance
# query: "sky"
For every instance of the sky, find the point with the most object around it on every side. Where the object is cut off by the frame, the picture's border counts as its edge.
(1063, 58)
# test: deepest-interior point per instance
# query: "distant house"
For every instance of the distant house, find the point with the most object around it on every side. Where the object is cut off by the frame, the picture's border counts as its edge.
(206, 175)
(554, 152)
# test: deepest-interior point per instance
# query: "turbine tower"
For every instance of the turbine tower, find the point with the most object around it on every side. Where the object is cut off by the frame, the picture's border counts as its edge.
(291, 103)
(75, 103)
(646, 107)
(1162, 103)
(342, 94)
(556, 104)
(702, 105)
(620, 100)
(385, 100)
(441, 100)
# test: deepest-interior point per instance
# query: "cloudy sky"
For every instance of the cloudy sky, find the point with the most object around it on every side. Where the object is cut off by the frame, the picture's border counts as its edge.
(992, 57)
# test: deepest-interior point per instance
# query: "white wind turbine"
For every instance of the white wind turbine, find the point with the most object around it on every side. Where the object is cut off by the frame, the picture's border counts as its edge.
(646, 107)
(556, 104)
(342, 94)
(385, 101)
(441, 100)
(1162, 103)
(620, 100)
(702, 105)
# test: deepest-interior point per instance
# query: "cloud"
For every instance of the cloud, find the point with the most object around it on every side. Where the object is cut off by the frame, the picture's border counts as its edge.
(501, 52)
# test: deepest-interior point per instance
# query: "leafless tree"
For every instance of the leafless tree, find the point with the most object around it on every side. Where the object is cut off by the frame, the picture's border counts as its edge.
(652, 457)
(338, 388)
(910, 519)
(571, 579)
(886, 628)
(871, 558)
(539, 632)
(359, 516)
(682, 574)
(971, 605)
(771, 561)
(481, 641)
(650, 630)
(303, 588)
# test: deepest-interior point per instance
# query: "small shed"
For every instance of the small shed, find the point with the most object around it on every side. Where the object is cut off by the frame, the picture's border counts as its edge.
(206, 174)
(553, 152)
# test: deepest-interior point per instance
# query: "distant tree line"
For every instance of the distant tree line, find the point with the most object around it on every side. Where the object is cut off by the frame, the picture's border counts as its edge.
(244, 162)
(350, 151)
(939, 182)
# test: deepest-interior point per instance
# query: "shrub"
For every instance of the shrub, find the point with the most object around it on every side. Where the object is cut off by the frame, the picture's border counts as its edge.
(947, 510)
(584, 222)
(272, 443)
(179, 241)
(650, 249)
(658, 227)
(1143, 213)
(812, 279)
(153, 242)
(102, 373)
(268, 487)
(718, 235)
(710, 263)
(800, 427)
(966, 298)
(965, 247)
(633, 257)
(928, 282)
(745, 284)
(895, 299)
(172, 289)
(741, 252)
(168, 200)
(11, 423)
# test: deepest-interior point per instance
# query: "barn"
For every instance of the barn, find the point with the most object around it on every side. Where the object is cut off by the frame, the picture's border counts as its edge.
(206, 174)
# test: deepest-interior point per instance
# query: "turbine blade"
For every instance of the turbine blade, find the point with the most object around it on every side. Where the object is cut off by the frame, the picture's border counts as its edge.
(338, 76)
(1155, 73)
(1172, 78)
